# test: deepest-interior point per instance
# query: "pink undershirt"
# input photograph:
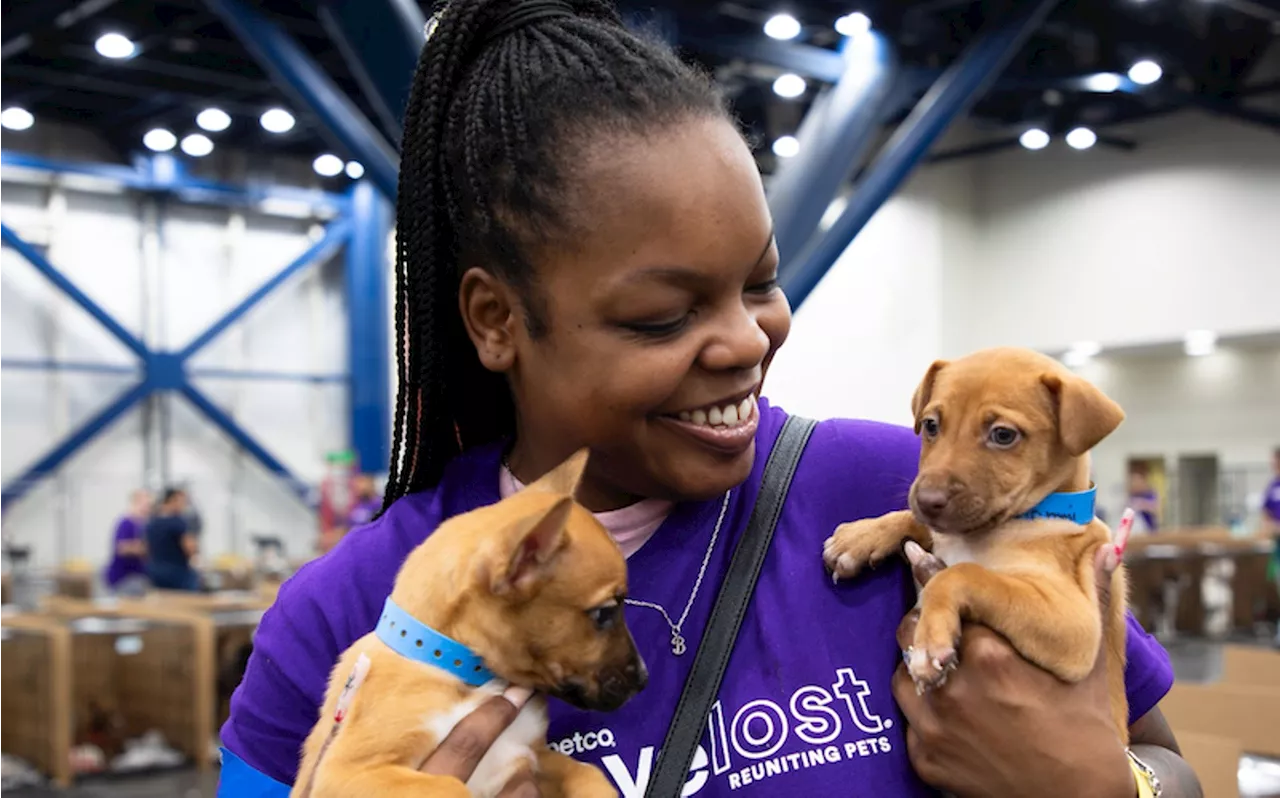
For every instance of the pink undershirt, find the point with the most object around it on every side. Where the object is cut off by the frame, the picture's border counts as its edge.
(631, 526)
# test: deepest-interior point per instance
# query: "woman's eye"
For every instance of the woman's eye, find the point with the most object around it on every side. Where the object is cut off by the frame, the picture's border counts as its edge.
(604, 617)
(763, 288)
(1003, 436)
(660, 329)
(930, 427)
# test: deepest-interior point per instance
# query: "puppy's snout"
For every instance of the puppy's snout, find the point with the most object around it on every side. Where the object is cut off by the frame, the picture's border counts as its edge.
(932, 502)
(637, 674)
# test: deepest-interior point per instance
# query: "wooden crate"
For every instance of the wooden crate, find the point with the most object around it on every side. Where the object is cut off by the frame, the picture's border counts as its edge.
(35, 694)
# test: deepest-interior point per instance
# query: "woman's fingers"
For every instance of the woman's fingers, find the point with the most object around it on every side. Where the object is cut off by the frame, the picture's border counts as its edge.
(523, 784)
(460, 752)
(924, 566)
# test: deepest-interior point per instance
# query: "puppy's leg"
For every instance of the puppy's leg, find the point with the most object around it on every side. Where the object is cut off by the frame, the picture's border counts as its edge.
(562, 777)
(1047, 618)
(348, 780)
(870, 541)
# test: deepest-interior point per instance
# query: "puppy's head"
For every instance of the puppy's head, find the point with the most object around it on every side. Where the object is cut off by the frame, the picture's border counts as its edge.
(542, 594)
(1000, 430)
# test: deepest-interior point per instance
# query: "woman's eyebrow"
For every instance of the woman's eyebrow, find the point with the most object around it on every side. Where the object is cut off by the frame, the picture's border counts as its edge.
(682, 275)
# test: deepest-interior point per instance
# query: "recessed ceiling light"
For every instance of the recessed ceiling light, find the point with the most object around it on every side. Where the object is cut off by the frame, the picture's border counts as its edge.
(159, 140)
(355, 170)
(197, 145)
(213, 120)
(276, 120)
(1199, 343)
(114, 45)
(1104, 82)
(782, 26)
(1081, 138)
(327, 165)
(15, 118)
(786, 146)
(789, 85)
(1145, 72)
(1034, 139)
(853, 24)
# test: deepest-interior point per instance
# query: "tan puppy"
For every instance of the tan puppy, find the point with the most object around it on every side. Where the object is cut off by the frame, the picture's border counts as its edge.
(533, 585)
(1001, 430)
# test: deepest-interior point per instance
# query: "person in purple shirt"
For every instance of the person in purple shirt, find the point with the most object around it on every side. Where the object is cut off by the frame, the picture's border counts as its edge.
(128, 566)
(586, 258)
(365, 502)
(1144, 499)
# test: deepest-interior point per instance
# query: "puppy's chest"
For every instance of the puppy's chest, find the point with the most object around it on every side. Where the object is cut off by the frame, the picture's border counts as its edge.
(519, 743)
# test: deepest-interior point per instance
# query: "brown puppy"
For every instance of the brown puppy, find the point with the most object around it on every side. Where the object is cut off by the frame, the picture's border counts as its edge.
(1001, 430)
(533, 586)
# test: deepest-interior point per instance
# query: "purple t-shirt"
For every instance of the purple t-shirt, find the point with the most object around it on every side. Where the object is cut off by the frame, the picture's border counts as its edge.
(805, 707)
(1271, 500)
(124, 565)
(362, 512)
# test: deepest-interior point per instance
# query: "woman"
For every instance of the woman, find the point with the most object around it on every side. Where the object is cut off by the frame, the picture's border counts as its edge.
(172, 544)
(127, 571)
(585, 257)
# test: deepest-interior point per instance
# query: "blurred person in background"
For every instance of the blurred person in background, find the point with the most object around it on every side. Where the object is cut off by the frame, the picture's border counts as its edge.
(1144, 500)
(365, 502)
(127, 571)
(172, 544)
(1270, 526)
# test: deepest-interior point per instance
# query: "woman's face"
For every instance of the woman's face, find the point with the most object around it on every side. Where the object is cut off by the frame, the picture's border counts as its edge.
(664, 307)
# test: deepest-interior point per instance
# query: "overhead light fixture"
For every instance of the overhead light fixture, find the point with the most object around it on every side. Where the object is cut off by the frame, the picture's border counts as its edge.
(328, 165)
(854, 24)
(197, 145)
(16, 118)
(1103, 82)
(213, 120)
(1199, 343)
(114, 45)
(1034, 139)
(1081, 352)
(782, 27)
(276, 120)
(789, 85)
(355, 170)
(1081, 138)
(1145, 72)
(159, 140)
(786, 146)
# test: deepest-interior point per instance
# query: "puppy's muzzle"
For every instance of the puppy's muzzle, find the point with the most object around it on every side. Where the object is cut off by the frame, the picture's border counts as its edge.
(614, 687)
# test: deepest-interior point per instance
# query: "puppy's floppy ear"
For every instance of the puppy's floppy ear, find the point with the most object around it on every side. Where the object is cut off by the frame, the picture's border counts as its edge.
(563, 479)
(532, 546)
(925, 390)
(1085, 414)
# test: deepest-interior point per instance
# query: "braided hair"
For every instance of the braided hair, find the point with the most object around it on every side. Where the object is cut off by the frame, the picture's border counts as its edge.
(499, 100)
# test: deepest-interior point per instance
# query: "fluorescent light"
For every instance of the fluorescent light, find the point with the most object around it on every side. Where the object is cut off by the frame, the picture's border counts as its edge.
(1082, 138)
(114, 45)
(213, 120)
(1199, 343)
(197, 145)
(786, 146)
(789, 85)
(1034, 139)
(1145, 72)
(355, 170)
(327, 165)
(1087, 348)
(16, 118)
(159, 140)
(853, 24)
(276, 120)
(782, 26)
(1105, 82)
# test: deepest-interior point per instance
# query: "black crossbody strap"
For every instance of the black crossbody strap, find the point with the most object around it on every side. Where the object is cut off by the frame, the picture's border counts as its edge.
(703, 684)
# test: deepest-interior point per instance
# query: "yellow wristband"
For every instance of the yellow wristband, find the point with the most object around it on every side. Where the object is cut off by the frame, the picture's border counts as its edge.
(1148, 784)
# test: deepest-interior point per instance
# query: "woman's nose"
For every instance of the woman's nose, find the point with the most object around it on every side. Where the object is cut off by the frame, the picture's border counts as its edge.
(738, 342)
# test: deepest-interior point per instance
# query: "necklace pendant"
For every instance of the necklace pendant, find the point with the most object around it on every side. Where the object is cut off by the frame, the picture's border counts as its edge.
(677, 643)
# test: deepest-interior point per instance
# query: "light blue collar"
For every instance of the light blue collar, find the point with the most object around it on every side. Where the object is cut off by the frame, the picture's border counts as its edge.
(410, 638)
(1075, 507)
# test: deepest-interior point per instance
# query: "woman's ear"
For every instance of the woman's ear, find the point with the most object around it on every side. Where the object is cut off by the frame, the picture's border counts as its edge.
(488, 311)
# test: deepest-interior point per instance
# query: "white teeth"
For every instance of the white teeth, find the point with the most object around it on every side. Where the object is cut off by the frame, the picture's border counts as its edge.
(731, 416)
(744, 409)
(715, 416)
(698, 417)
(685, 415)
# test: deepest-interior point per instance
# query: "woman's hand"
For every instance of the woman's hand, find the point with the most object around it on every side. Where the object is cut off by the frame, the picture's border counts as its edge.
(464, 747)
(1002, 726)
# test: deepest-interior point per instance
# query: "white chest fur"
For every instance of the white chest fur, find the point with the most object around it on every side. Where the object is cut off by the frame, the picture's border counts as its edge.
(518, 743)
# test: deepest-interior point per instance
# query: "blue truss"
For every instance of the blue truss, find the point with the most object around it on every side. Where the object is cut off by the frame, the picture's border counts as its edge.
(363, 231)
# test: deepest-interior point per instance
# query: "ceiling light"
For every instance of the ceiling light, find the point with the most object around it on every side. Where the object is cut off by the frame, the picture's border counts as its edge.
(16, 118)
(327, 165)
(1082, 138)
(1104, 82)
(1034, 139)
(786, 146)
(1081, 352)
(853, 24)
(159, 140)
(114, 45)
(789, 85)
(1145, 72)
(1199, 343)
(355, 170)
(782, 26)
(276, 120)
(197, 145)
(213, 120)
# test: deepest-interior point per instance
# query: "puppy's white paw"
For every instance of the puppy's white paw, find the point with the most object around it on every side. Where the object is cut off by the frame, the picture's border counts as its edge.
(855, 546)
(928, 668)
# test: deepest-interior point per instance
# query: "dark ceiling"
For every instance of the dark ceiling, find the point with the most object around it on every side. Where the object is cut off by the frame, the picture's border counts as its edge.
(188, 60)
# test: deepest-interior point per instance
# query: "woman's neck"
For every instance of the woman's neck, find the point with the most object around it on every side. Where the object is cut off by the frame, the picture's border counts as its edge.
(596, 495)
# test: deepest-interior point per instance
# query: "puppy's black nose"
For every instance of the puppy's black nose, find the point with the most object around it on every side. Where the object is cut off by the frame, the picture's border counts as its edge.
(932, 501)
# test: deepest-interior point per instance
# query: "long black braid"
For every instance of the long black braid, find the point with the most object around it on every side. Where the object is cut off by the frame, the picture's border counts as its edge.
(493, 118)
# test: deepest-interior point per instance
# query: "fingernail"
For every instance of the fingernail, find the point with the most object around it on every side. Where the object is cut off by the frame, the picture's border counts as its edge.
(517, 696)
(914, 552)
(1111, 560)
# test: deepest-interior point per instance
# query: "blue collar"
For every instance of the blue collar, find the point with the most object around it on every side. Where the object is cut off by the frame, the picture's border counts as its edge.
(1074, 507)
(410, 638)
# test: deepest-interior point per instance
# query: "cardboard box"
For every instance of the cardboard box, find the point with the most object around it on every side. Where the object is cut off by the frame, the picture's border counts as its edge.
(35, 694)
(1245, 713)
(1216, 760)
(1251, 667)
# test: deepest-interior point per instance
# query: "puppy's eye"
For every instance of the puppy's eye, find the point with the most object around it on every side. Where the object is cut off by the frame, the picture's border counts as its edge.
(1003, 437)
(930, 427)
(605, 616)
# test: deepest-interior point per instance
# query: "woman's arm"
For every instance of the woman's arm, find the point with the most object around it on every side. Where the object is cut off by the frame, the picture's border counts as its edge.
(1153, 742)
(131, 547)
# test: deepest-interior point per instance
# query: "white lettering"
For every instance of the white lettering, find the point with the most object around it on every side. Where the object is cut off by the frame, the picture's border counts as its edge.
(753, 745)
(719, 740)
(628, 786)
(605, 736)
(697, 774)
(588, 741)
(863, 717)
(831, 753)
(734, 781)
(818, 723)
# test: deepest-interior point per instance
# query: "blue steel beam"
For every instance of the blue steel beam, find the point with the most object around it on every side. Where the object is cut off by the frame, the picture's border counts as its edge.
(266, 376)
(85, 433)
(295, 72)
(834, 136)
(24, 364)
(368, 349)
(962, 83)
(33, 256)
(335, 235)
